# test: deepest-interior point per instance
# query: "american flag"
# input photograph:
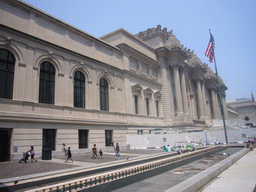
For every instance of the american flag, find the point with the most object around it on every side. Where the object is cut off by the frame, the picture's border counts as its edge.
(210, 49)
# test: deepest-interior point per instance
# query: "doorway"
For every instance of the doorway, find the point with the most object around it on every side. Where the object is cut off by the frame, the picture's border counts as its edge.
(108, 137)
(5, 144)
(83, 139)
(49, 138)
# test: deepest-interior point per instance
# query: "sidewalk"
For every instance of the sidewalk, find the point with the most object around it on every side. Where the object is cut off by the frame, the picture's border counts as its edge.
(19, 171)
(240, 177)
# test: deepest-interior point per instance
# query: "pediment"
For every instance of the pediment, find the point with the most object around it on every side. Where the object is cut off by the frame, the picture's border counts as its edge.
(148, 92)
(157, 95)
(136, 88)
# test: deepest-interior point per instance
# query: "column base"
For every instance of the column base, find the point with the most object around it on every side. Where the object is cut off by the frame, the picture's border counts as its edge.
(179, 117)
(202, 118)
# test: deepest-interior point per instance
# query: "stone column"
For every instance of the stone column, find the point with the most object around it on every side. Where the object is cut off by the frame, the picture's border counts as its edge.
(178, 90)
(204, 102)
(200, 99)
(184, 92)
(214, 104)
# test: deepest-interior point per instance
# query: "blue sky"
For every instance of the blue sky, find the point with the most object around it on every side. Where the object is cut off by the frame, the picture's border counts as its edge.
(232, 23)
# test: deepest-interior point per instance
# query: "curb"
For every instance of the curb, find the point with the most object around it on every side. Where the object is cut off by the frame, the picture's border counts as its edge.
(196, 182)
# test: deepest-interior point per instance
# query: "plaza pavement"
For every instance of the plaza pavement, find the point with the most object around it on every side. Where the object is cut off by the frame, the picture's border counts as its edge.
(11, 171)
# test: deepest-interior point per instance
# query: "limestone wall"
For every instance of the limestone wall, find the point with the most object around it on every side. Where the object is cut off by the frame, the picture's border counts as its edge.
(32, 21)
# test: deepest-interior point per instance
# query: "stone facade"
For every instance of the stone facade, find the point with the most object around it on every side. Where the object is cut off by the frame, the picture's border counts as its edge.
(131, 84)
(243, 109)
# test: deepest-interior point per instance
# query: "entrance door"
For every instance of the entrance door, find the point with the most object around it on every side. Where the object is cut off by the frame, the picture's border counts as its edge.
(5, 144)
(49, 137)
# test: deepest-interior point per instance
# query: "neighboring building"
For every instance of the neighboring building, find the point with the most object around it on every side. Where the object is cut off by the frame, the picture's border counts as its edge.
(61, 85)
(244, 109)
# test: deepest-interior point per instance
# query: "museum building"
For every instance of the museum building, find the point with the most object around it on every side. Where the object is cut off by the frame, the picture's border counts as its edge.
(60, 84)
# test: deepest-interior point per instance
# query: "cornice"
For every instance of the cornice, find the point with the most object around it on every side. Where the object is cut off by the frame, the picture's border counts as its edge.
(136, 52)
(59, 22)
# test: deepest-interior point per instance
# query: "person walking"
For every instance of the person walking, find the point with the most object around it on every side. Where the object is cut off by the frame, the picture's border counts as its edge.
(64, 148)
(32, 154)
(117, 148)
(94, 152)
(101, 153)
(69, 155)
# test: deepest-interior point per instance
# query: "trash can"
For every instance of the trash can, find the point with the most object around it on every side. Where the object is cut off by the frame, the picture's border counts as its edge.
(47, 154)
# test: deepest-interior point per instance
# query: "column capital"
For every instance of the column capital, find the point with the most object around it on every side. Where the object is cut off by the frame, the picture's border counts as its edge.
(198, 78)
(176, 64)
(161, 52)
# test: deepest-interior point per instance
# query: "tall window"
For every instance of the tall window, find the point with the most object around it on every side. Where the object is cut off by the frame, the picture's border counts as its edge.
(7, 62)
(103, 94)
(147, 105)
(136, 104)
(79, 90)
(157, 108)
(47, 83)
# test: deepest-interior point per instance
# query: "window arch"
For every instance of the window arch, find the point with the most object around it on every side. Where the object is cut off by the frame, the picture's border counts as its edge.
(47, 83)
(104, 95)
(79, 90)
(7, 63)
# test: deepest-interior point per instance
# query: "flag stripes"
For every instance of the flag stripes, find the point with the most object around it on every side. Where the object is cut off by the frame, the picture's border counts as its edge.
(210, 49)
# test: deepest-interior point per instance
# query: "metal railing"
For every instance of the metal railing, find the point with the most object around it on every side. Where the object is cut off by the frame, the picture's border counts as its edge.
(91, 181)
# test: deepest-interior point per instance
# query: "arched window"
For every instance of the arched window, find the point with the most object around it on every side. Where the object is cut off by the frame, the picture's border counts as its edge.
(79, 90)
(47, 83)
(103, 94)
(7, 62)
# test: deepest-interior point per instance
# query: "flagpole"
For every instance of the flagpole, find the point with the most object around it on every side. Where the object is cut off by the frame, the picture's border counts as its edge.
(221, 106)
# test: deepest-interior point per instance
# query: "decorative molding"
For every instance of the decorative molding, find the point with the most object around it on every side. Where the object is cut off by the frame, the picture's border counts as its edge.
(161, 52)
(157, 95)
(50, 53)
(23, 65)
(136, 89)
(148, 92)
(60, 74)
(7, 41)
